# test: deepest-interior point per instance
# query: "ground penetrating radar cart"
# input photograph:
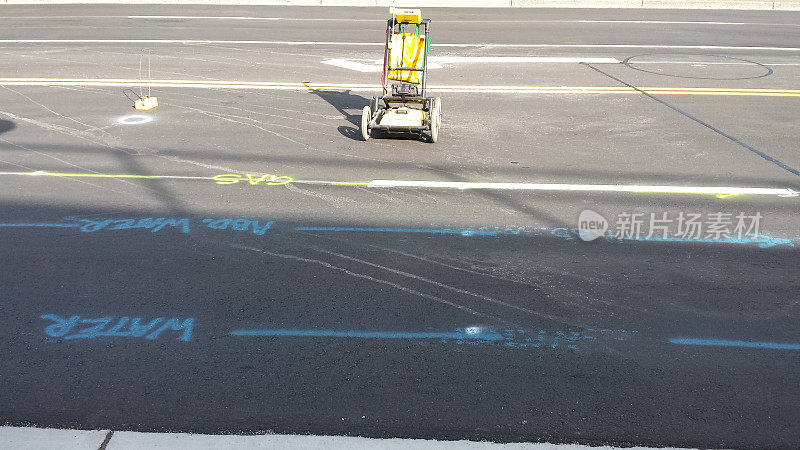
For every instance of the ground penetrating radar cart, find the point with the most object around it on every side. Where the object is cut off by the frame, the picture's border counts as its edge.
(404, 106)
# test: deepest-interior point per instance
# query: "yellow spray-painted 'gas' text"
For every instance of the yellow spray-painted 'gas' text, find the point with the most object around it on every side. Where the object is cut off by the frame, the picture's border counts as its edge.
(253, 180)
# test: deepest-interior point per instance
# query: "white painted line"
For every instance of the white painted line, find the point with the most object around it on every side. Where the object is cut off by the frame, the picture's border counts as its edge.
(215, 17)
(633, 22)
(298, 19)
(670, 47)
(330, 19)
(181, 41)
(371, 66)
(710, 63)
(678, 22)
(59, 17)
(520, 59)
(380, 44)
(711, 190)
(435, 62)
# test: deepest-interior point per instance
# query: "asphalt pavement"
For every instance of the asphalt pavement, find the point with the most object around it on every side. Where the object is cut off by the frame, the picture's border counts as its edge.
(238, 260)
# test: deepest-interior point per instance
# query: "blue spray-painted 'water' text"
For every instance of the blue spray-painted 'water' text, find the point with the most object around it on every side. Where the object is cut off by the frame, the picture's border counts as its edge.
(76, 327)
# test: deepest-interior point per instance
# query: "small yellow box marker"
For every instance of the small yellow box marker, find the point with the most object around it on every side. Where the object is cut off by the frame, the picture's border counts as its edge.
(407, 15)
(145, 103)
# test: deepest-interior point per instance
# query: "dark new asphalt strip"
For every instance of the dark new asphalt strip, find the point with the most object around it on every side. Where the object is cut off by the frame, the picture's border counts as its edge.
(165, 300)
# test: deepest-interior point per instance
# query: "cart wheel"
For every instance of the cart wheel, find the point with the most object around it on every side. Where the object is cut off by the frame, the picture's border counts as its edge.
(366, 116)
(436, 119)
(437, 103)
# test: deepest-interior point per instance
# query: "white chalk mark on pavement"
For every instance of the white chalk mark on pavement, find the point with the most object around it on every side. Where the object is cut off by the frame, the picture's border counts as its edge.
(135, 119)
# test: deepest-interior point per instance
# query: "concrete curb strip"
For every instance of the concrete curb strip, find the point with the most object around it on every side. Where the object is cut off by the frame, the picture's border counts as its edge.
(37, 438)
(790, 5)
(27, 438)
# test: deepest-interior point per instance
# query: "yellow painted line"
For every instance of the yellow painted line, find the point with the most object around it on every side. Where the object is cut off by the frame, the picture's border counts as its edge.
(223, 84)
(115, 82)
(313, 88)
(719, 191)
(102, 175)
(87, 175)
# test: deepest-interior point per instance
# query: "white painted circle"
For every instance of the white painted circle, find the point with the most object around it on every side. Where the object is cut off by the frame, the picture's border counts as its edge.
(135, 119)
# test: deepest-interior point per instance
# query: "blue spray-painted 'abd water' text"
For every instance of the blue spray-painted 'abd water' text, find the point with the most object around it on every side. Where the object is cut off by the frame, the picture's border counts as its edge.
(184, 225)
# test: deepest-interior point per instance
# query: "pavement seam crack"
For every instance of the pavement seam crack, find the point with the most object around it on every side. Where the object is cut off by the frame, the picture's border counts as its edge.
(106, 440)
(369, 278)
(448, 287)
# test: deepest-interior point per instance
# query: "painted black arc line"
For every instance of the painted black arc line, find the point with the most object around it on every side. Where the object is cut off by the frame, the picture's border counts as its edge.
(632, 65)
(705, 124)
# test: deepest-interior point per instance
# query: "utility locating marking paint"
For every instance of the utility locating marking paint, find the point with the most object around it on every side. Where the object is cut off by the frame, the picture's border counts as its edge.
(734, 343)
(253, 180)
(488, 231)
(570, 234)
(153, 224)
(38, 225)
(294, 86)
(474, 336)
(77, 327)
(149, 223)
(185, 225)
(278, 180)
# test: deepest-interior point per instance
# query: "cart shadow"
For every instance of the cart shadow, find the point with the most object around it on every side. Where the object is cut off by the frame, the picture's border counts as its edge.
(350, 132)
(344, 102)
(6, 125)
